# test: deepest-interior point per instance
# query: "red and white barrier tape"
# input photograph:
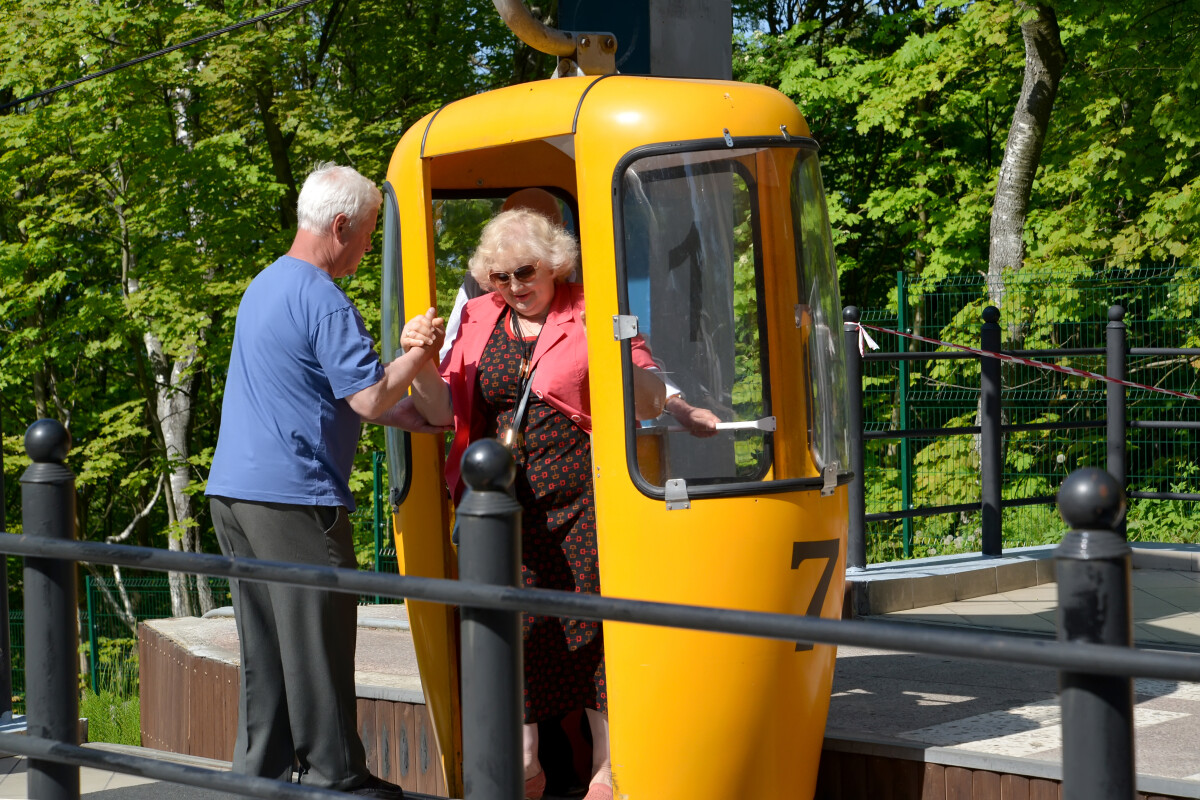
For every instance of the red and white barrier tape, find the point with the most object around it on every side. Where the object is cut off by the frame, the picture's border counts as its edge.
(865, 340)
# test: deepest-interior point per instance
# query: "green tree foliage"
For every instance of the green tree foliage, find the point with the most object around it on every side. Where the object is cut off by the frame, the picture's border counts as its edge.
(911, 104)
(135, 208)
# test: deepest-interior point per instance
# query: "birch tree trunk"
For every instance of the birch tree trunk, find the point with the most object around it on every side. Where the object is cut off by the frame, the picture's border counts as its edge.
(1044, 59)
(173, 383)
(175, 401)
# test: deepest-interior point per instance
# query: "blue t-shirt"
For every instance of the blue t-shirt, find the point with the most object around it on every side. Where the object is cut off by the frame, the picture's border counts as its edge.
(299, 349)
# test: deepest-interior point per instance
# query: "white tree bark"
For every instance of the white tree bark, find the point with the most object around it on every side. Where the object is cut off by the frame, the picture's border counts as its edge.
(173, 384)
(1044, 59)
(173, 405)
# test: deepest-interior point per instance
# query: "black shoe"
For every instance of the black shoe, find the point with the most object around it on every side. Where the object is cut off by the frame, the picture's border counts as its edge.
(377, 787)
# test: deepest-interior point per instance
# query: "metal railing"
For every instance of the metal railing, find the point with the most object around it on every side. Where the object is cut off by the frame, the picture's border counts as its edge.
(1093, 653)
(991, 429)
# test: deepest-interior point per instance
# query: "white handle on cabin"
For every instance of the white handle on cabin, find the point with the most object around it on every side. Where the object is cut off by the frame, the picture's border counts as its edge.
(764, 424)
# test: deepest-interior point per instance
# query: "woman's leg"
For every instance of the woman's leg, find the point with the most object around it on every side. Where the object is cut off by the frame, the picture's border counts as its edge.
(532, 765)
(601, 764)
(535, 777)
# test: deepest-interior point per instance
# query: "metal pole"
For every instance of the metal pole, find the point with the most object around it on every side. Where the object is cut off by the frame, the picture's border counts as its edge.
(991, 461)
(1092, 566)
(51, 636)
(489, 551)
(94, 656)
(5, 636)
(905, 451)
(1117, 346)
(377, 507)
(856, 543)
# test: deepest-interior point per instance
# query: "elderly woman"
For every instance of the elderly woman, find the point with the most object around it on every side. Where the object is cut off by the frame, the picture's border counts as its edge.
(526, 339)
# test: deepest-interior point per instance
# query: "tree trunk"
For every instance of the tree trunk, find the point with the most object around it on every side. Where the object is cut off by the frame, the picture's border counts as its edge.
(173, 405)
(172, 411)
(176, 403)
(281, 164)
(1044, 58)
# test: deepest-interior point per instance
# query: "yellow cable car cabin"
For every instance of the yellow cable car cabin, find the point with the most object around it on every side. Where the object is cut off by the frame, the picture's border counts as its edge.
(702, 225)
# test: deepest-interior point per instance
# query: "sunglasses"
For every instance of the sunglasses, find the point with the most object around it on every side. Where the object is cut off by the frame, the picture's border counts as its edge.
(523, 274)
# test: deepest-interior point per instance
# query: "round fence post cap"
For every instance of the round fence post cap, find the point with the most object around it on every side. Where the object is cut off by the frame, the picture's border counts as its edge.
(851, 314)
(991, 314)
(1116, 313)
(47, 441)
(1091, 499)
(488, 466)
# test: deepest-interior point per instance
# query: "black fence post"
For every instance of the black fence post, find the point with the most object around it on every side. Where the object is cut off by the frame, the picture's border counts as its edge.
(489, 551)
(5, 633)
(991, 466)
(1092, 566)
(51, 636)
(856, 543)
(1114, 367)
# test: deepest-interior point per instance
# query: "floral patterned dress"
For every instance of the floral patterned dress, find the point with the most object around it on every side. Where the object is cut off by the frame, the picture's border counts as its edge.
(564, 658)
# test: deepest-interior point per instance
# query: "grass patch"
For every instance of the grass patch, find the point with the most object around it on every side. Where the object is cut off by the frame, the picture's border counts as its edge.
(112, 718)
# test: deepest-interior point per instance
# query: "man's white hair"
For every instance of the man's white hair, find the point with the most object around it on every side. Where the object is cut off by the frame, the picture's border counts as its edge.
(331, 190)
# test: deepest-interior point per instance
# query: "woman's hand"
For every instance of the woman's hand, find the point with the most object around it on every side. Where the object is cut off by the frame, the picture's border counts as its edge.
(699, 421)
(427, 331)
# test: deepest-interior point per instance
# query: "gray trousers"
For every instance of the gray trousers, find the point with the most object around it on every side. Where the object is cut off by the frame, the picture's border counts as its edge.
(297, 702)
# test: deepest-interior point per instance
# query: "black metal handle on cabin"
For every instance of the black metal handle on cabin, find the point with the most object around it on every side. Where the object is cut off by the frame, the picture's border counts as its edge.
(1092, 567)
(51, 635)
(489, 551)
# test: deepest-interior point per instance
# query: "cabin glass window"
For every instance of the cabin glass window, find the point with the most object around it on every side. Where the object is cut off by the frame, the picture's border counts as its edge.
(391, 309)
(820, 314)
(692, 253)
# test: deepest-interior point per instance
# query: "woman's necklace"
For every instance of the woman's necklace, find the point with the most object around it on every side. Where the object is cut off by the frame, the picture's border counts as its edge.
(511, 436)
(527, 349)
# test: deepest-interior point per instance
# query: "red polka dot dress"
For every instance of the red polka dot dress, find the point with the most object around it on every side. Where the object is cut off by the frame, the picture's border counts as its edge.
(564, 658)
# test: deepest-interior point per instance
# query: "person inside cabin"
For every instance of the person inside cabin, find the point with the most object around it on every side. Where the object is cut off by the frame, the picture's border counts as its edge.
(518, 371)
(302, 376)
(698, 421)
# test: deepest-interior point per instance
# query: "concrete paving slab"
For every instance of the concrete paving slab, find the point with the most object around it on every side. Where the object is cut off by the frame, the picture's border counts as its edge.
(997, 710)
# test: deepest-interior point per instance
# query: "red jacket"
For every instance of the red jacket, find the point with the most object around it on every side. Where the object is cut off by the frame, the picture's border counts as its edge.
(560, 357)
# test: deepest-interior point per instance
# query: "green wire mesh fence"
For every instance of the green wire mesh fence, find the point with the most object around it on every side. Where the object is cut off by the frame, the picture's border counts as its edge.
(1037, 311)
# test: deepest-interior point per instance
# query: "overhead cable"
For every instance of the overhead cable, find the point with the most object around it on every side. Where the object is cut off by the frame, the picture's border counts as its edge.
(157, 53)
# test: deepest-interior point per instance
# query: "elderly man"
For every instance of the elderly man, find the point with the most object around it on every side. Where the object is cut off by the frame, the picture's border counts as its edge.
(302, 375)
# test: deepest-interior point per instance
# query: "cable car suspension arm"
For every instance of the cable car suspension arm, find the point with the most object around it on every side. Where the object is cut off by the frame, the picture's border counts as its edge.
(592, 53)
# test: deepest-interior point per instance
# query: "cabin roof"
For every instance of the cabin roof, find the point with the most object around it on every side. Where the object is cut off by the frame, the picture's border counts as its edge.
(627, 109)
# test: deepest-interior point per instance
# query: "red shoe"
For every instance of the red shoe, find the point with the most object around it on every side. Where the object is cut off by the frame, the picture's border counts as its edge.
(599, 791)
(536, 786)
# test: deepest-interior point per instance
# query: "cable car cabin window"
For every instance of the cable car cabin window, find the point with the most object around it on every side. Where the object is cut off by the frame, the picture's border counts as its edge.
(693, 279)
(819, 315)
(391, 307)
(727, 263)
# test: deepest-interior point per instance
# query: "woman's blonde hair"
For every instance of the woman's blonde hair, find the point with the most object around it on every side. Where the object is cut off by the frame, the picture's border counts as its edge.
(518, 237)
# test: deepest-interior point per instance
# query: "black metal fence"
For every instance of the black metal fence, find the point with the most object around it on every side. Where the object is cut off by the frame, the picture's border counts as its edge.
(1093, 653)
(992, 434)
